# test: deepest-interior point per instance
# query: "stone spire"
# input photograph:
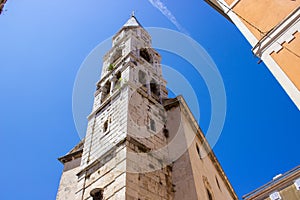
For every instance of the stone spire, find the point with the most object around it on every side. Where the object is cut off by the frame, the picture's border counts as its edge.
(132, 22)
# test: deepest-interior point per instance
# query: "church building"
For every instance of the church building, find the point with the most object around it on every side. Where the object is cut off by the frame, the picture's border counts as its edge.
(140, 144)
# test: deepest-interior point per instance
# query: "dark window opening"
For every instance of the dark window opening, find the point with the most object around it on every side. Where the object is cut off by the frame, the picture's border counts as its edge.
(209, 195)
(97, 194)
(144, 54)
(154, 87)
(105, 91)
(119, 79)
(152, 125)
(118, 75)
(218, 183)
(105, 126)
(166, 132)
(198, 151)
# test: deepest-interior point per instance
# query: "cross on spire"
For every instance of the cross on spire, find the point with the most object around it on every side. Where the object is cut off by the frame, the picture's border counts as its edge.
(132, 21)
(133, 13)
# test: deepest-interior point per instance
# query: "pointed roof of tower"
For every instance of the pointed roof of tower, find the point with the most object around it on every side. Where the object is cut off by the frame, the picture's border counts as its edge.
(132, 22)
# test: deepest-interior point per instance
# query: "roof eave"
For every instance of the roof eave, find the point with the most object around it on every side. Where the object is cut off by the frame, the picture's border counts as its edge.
(218, 9)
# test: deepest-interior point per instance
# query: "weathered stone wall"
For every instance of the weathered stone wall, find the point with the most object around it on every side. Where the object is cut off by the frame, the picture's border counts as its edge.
(114, 113)
(145, 185)
(148, 174)
(108, 174)
(200, 167)
(68, 182)
(183, 177)
(195, 172)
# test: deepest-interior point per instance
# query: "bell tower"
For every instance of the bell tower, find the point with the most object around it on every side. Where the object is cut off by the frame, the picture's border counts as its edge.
(126, 153)
(131, 75)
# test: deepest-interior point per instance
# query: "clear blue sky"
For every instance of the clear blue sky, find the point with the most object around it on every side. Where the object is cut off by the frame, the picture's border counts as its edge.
(43, 44)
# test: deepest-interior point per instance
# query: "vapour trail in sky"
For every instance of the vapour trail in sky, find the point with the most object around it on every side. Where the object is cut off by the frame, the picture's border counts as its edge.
(165, 11)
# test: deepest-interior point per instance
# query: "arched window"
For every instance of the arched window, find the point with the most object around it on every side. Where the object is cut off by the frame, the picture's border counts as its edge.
(218, 184)
(97, 194)
(198, 151)
(118, 75)
(119, 79)
(105, 91)
(209, 195)
(152, 125)
(154, 87)
(105, 126)
(144, 54)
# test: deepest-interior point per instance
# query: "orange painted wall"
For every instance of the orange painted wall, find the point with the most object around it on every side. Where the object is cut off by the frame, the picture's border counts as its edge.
(289, 59)
(229, 2)
(264, 14)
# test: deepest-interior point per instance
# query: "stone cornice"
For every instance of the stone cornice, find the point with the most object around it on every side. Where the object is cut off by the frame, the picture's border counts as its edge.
(70, 156)
(102, 159)
(283, 32)
(74, 153)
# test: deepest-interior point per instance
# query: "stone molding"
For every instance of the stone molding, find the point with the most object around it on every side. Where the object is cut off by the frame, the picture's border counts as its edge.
(283, 32)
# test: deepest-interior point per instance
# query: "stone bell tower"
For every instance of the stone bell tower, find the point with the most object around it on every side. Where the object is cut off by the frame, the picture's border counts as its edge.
(134, 133)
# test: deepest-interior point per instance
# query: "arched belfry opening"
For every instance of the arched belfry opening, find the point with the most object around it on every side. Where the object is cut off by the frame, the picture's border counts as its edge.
(118, 80)
(154, 87)
(105, 90)
(118, 75)
(97, 194)
(145, 54)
